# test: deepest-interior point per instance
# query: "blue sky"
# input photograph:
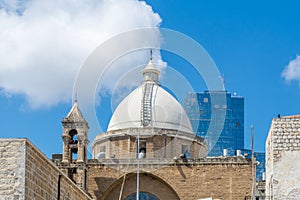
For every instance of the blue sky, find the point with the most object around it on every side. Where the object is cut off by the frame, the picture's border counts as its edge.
(251, 42)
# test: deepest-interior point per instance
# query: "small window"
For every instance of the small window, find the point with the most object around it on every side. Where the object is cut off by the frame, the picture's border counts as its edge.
(142, 151)
(103, 148)
(205, 100)
(185, 150)
(102, 153)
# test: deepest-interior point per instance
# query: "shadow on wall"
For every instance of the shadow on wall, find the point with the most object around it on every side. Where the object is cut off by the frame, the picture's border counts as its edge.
(110, 188)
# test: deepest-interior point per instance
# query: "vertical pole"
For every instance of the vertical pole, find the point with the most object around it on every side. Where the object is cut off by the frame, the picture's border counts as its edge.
(253, 164)
(138, 169)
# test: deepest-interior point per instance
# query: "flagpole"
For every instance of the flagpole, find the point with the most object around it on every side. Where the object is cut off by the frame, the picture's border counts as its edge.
(138, 169)
(253, 164)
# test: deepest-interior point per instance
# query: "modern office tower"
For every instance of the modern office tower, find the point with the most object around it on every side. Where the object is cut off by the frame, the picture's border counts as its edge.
(260, 164)
(200, 108)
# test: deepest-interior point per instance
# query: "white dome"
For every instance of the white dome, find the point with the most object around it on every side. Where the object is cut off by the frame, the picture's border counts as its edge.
(165, 112)
(150, 106)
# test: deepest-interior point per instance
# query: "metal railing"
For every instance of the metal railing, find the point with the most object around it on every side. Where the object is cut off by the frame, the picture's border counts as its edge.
(146, 111)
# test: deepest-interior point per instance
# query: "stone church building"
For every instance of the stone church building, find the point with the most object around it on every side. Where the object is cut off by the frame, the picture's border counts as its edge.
(149, 148)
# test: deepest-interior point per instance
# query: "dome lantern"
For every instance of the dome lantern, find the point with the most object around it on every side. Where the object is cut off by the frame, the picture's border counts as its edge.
(150, 72)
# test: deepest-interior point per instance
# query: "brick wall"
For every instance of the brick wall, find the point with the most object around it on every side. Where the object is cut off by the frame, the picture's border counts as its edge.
(28, 174)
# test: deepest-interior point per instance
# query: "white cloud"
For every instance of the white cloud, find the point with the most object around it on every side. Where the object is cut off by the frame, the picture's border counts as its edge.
(43, 43)
(292, 70)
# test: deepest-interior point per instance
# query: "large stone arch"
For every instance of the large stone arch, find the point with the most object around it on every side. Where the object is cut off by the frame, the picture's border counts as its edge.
(148, 183)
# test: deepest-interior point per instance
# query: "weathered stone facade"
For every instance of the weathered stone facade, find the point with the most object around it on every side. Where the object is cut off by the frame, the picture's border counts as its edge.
(157, 143)
(282, 159)
(75, 144)
(150, 129)
(226, 178)
(26, 173)
(12, 172)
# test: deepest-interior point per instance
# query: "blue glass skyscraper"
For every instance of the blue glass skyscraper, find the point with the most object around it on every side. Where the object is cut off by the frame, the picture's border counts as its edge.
(199, 107)
(260, 164)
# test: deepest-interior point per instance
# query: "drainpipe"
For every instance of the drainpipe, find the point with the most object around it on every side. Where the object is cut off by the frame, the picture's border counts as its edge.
(58, 187)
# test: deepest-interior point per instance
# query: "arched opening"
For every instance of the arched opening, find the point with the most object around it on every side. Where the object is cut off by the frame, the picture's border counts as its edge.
(149, 184)
(143, 150)
(143, 196)
(73, 133)
(73, 144)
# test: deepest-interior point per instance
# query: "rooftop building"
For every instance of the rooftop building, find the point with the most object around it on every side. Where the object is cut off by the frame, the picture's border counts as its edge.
(282, 158)
(144, 151)
(199, 108)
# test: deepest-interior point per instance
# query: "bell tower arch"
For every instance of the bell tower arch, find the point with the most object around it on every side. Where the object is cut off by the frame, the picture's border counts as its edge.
(75, 144)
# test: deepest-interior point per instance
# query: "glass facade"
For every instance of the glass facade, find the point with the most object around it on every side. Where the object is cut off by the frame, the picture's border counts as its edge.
(199, 107)
(261, 163)
(260, 167)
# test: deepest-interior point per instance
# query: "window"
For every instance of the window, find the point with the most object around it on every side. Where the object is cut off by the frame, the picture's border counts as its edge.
(142, 151)
(103, 148)
(185, 150)
(102, 152)
(73, 133)
(142, 195)
(73, 142)
(205, 100)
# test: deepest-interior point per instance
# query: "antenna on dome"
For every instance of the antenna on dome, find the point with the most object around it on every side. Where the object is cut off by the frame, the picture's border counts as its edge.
(150, 54)
(75, 98)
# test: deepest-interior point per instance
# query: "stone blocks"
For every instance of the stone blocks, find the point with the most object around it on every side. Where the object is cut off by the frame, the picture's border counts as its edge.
(26, 173)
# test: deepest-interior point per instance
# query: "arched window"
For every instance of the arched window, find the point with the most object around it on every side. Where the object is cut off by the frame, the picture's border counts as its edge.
(73, 144)
(73, 133)
(142, 196)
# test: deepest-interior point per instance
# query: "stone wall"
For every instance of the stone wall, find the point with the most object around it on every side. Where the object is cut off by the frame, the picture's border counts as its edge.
(282, 158)
(157, 146)
(12, 172)
(220, 178)
(28, 174)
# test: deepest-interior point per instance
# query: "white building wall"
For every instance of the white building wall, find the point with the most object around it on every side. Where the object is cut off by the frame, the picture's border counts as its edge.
(283, 159)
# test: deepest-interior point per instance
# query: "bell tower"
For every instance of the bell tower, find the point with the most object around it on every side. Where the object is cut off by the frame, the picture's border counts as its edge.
(75, 145)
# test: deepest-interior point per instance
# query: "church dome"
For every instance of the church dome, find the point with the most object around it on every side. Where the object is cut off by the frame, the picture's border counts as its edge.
(150, 106)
